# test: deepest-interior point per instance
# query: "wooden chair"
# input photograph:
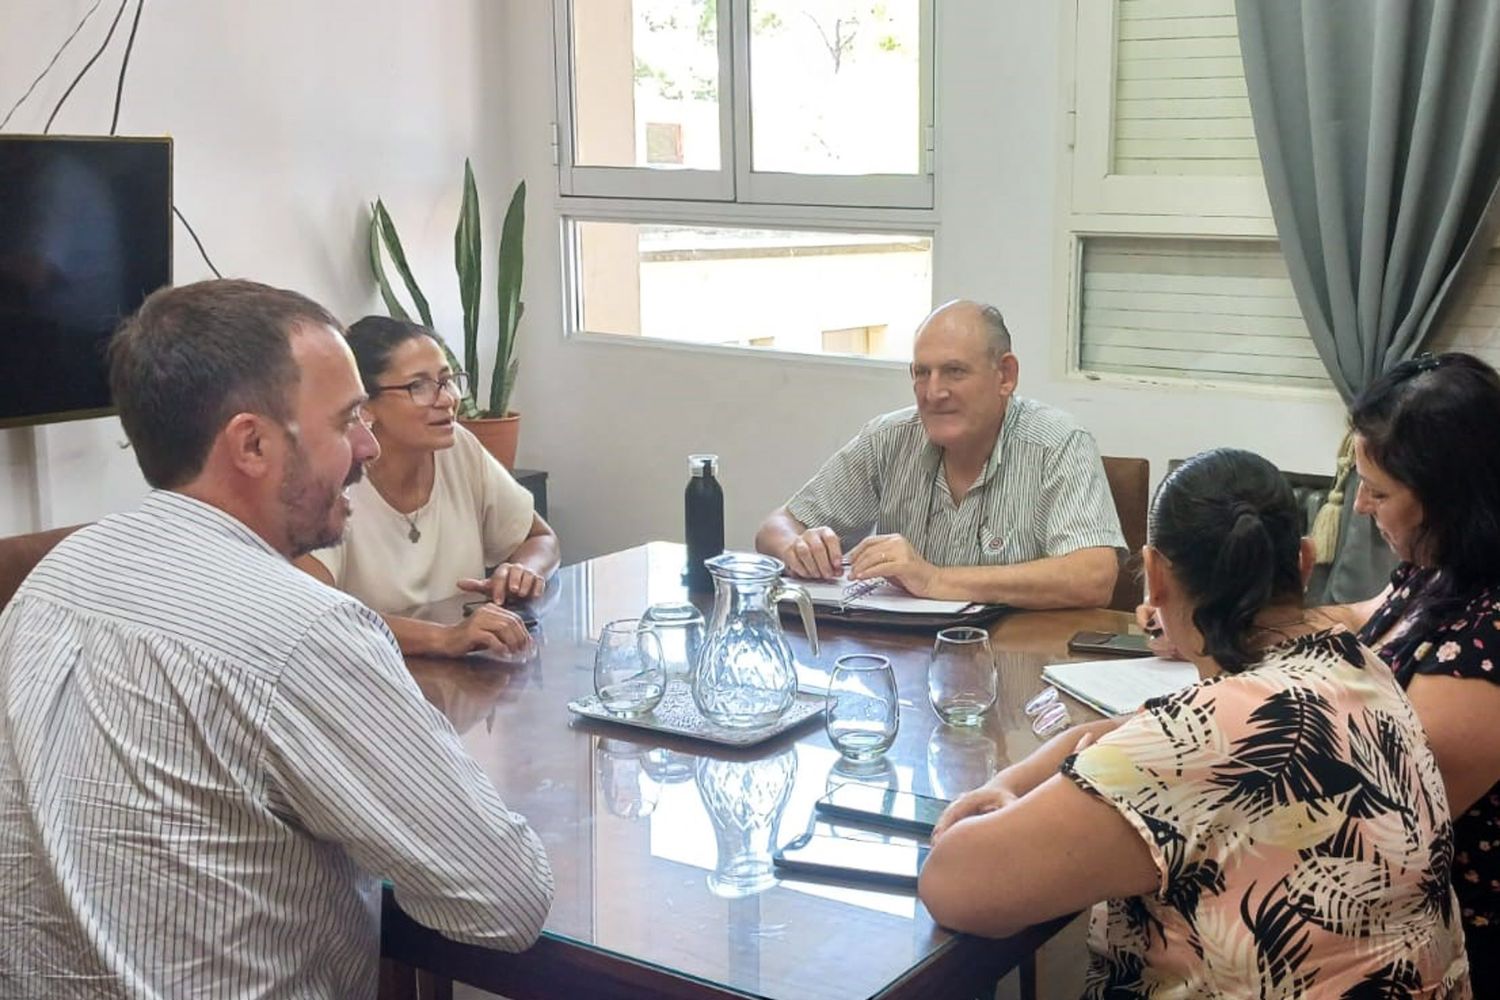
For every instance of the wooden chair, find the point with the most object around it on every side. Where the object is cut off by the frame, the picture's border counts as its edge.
(19, 554)
(1130, 485)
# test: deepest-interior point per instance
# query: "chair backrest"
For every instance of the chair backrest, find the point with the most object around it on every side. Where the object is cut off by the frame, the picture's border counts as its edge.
(1130, 485)
(19, 554)
(1309, 489)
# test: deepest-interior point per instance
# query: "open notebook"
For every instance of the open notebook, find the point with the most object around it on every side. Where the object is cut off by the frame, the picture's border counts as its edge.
(1119, 687)
(886, 597)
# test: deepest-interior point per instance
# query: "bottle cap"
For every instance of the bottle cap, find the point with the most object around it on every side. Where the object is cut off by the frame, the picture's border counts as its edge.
(703, 465)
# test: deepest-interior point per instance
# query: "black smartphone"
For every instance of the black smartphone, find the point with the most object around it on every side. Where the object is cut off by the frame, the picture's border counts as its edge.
(880, 862)
(1110, 644)
(904, 811)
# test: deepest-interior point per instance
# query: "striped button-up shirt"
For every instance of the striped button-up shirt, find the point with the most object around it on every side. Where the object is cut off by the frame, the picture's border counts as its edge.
(1042, 492)
(207, 761)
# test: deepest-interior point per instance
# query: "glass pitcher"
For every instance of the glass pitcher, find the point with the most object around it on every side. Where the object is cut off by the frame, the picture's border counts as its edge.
(746, 677)
(745, 800)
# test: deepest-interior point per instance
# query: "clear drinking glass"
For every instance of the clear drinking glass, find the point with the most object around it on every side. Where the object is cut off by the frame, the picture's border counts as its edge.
(959, 760)
(629, 677)
(627, 788)
(961, 675)
(863, 711)
(679, 626)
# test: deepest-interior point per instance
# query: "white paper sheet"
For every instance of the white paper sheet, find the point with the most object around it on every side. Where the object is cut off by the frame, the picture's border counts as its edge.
(1119, 687)
(886, 597)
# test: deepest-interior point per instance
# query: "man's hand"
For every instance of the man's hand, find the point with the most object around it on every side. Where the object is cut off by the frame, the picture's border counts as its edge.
(815, 555)
(490, 628)
(894, 558)
(509, 582)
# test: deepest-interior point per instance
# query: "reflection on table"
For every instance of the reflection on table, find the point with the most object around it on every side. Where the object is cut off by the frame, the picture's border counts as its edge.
(661, 846)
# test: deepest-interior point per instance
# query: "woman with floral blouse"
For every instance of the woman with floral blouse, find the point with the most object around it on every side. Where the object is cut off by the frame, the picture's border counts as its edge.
(1427, 448)
(1278, 829)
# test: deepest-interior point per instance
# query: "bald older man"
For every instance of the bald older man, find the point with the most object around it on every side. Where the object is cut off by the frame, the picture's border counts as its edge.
(973, 494)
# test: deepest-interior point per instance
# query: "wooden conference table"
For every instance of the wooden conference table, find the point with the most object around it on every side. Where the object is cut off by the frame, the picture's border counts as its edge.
(649, 837)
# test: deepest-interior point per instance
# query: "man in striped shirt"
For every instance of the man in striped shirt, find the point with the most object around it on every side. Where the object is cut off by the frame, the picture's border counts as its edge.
(207, 758)
(973, 494)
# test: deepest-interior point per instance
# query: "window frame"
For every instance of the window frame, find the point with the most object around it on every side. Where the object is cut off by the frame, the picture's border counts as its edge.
(1093, 202)
(735, 182)
(688, 213)
(736, 196)
(1096, 189)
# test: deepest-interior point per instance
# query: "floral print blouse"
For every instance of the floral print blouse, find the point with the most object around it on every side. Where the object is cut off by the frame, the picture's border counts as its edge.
(1467, 644)
(1300, 827)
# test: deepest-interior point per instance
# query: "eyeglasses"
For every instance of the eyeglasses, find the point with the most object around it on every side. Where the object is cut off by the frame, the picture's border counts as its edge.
(424, 391)
(1047, 713)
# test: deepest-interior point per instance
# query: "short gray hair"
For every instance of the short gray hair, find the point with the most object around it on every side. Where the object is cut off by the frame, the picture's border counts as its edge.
(997, 337)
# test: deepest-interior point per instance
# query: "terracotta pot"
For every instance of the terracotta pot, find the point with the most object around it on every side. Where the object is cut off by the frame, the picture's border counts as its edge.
(498, 435)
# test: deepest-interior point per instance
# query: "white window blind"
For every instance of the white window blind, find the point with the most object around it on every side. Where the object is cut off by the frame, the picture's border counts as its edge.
(1210, 310)
(1180, 105)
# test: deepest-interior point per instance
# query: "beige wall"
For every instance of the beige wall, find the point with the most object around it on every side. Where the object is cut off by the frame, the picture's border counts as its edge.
(288, 119)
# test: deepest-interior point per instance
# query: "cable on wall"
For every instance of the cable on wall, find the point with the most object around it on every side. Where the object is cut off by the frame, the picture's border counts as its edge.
(86, 67)
(50, 63)
(199, 243)
(114, 121)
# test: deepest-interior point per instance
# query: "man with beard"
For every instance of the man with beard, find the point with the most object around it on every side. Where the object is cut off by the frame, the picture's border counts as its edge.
(207, 757)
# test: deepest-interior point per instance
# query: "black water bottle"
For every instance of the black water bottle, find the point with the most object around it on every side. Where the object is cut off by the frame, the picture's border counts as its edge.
(704, 506)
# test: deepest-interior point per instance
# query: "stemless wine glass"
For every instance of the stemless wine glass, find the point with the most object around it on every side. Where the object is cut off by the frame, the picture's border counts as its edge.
(863, 711)
(628, 674)
(679, 626)
(961, 675)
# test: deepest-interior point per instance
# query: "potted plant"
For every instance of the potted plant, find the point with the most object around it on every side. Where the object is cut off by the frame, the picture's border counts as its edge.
(494, 424)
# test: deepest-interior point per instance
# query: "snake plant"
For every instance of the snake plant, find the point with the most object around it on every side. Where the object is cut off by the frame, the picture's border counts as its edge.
(467, 260)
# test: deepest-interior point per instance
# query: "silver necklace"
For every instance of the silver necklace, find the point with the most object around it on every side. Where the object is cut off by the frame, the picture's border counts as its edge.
(413, 533)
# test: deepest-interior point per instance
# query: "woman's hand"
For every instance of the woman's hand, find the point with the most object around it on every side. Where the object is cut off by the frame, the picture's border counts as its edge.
(510, 582)
(490, 628)
(1019, 779)
(993, 795)
(1150, 623)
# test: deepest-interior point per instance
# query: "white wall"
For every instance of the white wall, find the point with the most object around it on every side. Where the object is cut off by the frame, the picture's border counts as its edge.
(614, 422)
(288, 118)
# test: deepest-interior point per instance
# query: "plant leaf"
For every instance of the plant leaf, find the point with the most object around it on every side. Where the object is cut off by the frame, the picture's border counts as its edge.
(467, 249)
(512, 234)
(398, 257)
(501, 407)
(393, 305)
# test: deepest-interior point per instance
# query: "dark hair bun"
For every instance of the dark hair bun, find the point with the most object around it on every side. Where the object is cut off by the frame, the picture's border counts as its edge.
(1227, 521)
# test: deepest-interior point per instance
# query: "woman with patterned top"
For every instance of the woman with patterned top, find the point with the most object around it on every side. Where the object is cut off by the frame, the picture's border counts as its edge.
(1427, 448)
(1278, 829)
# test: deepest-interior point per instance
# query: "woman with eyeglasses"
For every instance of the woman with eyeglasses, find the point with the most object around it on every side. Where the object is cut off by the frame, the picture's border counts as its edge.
(435, 509)
(1277, 829)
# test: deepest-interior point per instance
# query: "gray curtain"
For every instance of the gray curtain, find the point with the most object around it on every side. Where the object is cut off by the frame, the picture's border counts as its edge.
(1380, 143)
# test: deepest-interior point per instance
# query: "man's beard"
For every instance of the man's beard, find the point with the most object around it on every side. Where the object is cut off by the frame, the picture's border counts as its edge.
(310, 522)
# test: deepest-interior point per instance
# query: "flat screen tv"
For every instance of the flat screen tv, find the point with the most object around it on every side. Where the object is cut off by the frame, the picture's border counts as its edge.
(85, 236)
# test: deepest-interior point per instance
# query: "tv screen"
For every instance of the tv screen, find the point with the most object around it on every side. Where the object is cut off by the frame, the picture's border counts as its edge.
(85, 236)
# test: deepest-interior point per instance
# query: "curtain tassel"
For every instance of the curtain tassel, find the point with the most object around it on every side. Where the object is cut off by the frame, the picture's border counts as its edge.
(1325, 528)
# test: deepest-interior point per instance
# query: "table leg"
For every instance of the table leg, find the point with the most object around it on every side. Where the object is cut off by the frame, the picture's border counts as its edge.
(1027, 972)
(397, 981)
(431, 986)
